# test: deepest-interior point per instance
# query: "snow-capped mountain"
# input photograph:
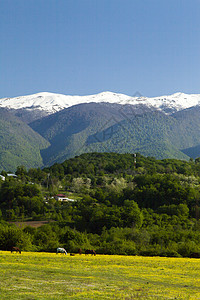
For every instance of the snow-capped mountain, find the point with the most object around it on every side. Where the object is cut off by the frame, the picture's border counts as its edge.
(51, 103)
(38, 131)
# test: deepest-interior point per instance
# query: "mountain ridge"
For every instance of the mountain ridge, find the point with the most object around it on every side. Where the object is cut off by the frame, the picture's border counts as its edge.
(52, 102)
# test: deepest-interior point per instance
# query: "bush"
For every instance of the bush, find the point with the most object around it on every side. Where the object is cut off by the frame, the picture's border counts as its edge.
(186, 248)
(11, 236)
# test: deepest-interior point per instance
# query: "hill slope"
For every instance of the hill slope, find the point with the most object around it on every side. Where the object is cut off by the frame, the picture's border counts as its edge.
(164, 127)
(118, 128)
(68, 130)
(19, 144)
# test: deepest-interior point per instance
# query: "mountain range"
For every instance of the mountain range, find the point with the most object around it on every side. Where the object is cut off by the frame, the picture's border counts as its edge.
(51, 103)
(45, 128)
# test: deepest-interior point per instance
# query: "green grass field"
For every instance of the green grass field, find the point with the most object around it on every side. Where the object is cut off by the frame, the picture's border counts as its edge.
(51, 276)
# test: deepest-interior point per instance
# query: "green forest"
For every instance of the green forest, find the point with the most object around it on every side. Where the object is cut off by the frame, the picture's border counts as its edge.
(122, 204)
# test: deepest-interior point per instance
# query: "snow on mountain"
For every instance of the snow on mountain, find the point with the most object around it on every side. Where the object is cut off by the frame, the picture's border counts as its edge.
(51, 103)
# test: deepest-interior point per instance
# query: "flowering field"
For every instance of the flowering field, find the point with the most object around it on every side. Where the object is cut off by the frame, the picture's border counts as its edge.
(50, 276)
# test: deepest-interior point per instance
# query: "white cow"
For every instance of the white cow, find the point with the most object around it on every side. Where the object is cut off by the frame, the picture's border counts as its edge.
(61, 250)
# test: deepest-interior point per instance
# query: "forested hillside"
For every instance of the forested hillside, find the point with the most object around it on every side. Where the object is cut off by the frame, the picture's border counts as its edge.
(19, 143)
(32, 139)
(122, 205)
(106, 127)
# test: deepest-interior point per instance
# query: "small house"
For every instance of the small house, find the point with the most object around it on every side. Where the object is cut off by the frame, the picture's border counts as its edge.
(62, 197)
(12, 175)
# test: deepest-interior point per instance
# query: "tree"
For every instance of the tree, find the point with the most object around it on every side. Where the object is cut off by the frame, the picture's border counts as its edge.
(11, 236)
(132, 215)
(21, 172)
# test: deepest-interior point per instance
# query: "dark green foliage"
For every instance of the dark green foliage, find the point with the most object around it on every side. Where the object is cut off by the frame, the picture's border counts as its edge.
(104, 127)
(97, 127)
(19, 144)
(19, 200)
(147, 207)
(11, 236)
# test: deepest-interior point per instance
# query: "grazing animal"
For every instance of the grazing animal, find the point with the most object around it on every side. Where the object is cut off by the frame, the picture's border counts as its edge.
(90, 252)
(61, 250)
(15, 249)
(195, 255)
(80, 251)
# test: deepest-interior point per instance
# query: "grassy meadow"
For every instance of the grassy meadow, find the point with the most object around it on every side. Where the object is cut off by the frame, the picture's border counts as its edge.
(51, 276)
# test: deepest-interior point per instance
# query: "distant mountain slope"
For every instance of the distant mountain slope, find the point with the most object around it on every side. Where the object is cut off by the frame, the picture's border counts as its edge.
(118, 128)
(187, 130)
(151, 134)
(164, 127)
(187, 134)
(159, 134)
(68, 129)
(192, 152)
(28, 115)
(19, 144)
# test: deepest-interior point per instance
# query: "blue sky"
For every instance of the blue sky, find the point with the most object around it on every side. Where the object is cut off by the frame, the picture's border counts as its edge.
(82, 47)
